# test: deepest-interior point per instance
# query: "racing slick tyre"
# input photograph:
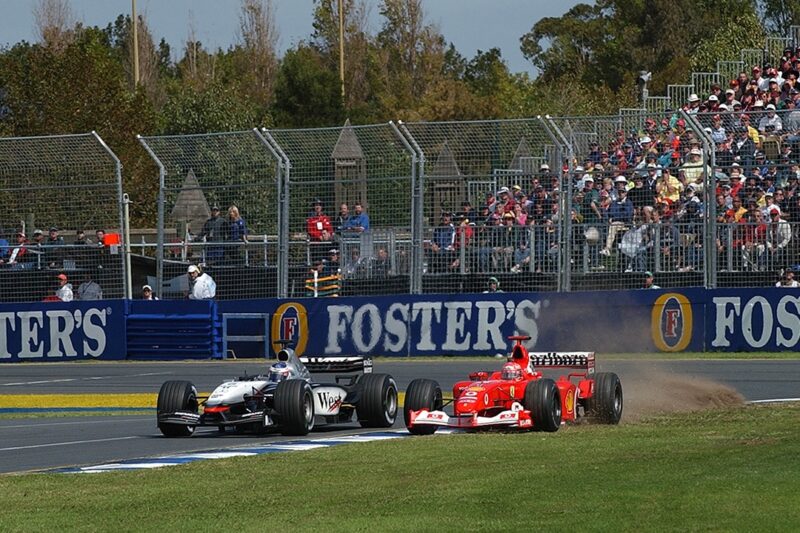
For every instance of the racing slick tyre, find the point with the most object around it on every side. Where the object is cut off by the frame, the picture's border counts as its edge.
(544, 402)
(605, 406)
(377, 407)
(422, 394)
(294, 402)
(176, 396)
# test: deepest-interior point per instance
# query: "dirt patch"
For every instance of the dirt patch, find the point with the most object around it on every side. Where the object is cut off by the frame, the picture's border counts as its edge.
(655, 392)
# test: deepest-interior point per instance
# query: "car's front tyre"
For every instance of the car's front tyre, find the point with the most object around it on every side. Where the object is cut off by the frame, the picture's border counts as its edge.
(294, 403)
(176, 396)
(422, 394)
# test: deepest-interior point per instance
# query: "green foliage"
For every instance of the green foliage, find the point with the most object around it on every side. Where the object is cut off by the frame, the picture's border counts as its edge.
(744, 31)
(212, 108)
(306, 93)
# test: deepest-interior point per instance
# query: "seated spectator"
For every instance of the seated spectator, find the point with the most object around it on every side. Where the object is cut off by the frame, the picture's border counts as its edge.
(668, 186)
(620, 216)
(332, 265)
(201, 285)
(17, 258)
(443, 244)
(771, 123)
(787, 280)
(89, 289)
(147, 293)
(381, 265)
(64, 291)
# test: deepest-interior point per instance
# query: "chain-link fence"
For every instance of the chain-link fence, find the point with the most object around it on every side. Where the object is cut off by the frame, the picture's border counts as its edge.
(349, 204)
(485, 200)
(219, 209)
(61, 222)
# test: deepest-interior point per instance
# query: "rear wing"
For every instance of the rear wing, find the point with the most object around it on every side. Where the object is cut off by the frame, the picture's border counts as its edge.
(347, 363)
(582, 360)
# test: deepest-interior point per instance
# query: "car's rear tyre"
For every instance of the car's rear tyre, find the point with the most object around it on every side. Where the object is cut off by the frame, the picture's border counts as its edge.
(294, 403)
(176, 396)
(422, 394)
(543, 400)
(377, 407)
(605, 405)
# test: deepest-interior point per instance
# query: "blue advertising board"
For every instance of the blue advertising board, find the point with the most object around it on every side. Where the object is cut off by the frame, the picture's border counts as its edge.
(58, 332)
(480, 324)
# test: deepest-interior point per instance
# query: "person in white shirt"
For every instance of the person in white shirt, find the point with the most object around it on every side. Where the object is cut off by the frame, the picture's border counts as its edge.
(203, 286)
(64, 292)
(787, 280)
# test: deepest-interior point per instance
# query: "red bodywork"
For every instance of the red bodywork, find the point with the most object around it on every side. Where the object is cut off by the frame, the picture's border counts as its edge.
(487, 399)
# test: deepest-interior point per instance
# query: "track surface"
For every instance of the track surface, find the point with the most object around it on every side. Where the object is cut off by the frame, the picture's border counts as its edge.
(42, 443)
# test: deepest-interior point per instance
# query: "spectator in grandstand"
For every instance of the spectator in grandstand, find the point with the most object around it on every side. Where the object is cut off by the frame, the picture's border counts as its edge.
(664, 234)
(694, 169)
(779, 235)
(739, 211)
(634, 245)
(787, 280)
(64, 291)
(620, 216)
(54, 255)
(237, 232)
(100, 237)
(754, 241)
(17, 258)
(507, 237)
(215, 230)
(342, 218)
(769, 204)
(320, 231)
(492, 285)
(441, 253)
(147, 293)
(641, 197)
(89, 289)
(81, 239)
(332, 265)
(505, 202)
(201, 285)
(381, 265)
(358, 222)
(771, 123)
(649, 281)
(693, 104)
(743, 146)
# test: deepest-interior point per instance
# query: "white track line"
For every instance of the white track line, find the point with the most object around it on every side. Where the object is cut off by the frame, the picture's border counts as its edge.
(70, 443)
(109, 420)
(90, 378)
(776, 400)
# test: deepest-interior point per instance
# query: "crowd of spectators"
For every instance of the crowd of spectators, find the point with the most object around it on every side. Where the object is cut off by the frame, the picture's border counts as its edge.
(639, 200)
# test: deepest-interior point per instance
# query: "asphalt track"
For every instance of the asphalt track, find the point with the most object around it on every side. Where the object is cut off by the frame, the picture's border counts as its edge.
(29, 444)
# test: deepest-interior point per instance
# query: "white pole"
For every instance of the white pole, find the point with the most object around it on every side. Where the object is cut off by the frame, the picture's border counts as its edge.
(126, 234)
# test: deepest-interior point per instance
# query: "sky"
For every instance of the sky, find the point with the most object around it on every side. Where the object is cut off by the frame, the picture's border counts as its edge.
(471, 25)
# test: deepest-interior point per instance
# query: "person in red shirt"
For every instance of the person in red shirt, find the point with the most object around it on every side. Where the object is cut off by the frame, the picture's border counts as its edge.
(320, 231)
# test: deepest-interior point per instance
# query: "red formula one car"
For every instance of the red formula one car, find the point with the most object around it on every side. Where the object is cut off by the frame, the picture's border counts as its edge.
(519, 396)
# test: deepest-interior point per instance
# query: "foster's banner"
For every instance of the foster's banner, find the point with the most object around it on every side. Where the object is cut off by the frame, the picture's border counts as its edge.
(59, 332)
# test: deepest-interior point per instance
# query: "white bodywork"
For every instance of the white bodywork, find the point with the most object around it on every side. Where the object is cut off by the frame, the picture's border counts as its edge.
(232, 392)
(328, 400)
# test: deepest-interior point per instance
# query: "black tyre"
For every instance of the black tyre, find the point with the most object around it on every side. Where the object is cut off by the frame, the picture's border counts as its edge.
(294, 403)
(377, 407)
(605, 406)
(543, 400)
(422, 394)
(176, 396)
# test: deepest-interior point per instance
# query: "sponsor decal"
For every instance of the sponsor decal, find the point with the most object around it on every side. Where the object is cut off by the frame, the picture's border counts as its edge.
(570, 401)
(329, 402)
(671, 322)
(511, 391)
(290, 322)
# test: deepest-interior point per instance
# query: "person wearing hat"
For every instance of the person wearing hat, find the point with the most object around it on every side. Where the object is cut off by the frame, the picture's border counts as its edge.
(147, 293)
(17, 257)
(54, 254)
(693, 169)
(201, 285)
(787, 280)
(332, 265)
(319, 230)
(492, 285)
(668, 186)
(771, 123)
(649, 281)
(693, 104)
(215, 230)
(779, 234)
(64, 291)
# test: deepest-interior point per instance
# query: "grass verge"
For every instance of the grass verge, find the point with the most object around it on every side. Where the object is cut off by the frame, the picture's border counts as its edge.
(729, 470)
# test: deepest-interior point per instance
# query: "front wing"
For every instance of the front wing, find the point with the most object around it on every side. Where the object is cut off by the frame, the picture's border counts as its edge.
(187, 418)
(510, 418)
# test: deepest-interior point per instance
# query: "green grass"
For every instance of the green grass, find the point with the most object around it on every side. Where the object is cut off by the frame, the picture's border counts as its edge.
(72, 414)
(721, 470)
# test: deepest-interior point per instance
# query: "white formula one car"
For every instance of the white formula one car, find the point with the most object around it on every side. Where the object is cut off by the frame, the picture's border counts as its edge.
(285, 398)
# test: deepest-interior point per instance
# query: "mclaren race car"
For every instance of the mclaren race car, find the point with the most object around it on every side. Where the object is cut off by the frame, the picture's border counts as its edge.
(285, 399)
(519, 396)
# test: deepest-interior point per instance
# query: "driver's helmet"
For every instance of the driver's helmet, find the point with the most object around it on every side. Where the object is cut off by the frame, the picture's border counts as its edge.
(278, 372)
(512, 371)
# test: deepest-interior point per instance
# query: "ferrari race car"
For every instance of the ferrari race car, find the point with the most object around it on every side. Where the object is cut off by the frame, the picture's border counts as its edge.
(519, 396)
(285, 398)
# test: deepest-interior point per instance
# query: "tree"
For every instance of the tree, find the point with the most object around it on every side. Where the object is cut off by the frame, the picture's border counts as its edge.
(54, 23)
(211, 108)
(255, 58)
(306, 92)
(780, 15)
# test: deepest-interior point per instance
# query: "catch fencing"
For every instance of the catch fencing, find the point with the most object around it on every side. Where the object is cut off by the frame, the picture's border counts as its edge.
(62, 219)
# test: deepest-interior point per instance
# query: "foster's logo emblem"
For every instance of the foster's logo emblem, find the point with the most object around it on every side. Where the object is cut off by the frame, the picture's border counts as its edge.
(671, 322)
(290, 322)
